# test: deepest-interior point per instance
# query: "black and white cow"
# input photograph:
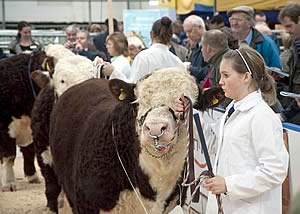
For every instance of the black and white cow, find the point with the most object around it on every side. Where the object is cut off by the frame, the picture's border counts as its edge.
(17, 95)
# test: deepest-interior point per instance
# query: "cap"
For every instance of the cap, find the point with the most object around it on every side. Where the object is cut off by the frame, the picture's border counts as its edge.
(241, 9)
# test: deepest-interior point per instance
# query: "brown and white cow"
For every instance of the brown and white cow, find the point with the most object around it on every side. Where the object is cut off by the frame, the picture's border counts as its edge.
(99, 129)
(69, 70)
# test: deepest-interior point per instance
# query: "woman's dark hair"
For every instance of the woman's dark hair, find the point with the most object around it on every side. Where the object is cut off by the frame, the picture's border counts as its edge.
(120, 43)
(162, 30)
(256, 64)
(20, 26)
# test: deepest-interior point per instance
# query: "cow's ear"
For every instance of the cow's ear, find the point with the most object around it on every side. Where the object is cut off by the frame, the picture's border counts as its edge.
(121, 90)
(48, 65)
(40, 78)
(209, 98)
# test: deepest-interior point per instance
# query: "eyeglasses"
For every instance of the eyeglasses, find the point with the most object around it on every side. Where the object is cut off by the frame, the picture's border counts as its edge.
(244, 60)
(232, 19)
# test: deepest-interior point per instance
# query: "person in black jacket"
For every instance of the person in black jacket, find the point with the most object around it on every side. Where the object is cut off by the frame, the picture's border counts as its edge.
(194, 27)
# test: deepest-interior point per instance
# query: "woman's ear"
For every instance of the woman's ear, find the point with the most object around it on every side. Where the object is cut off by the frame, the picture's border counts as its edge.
(248, 76)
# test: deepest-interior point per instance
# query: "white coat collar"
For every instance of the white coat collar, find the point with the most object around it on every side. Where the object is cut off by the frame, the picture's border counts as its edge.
(247, 102)
(159, 45)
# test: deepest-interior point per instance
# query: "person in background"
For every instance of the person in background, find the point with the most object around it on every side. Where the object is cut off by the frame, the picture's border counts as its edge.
(100, 39)
(214, 46)
(157, 56)
(117, 47)
(251, 161)
(289, 17)
(121, 26)
(260, 16)
(179, 50)
(71, 35)
(24, 43)
(287, 51)
(242, 24)
(2, 54)
(135, 45)
(83, 46)
(177, 32)
(194, 27)
(263, 28)
(216, 22)
(96, 28)
(233, 41)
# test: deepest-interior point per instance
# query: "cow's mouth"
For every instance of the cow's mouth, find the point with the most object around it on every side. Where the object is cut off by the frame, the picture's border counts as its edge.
(158, 150)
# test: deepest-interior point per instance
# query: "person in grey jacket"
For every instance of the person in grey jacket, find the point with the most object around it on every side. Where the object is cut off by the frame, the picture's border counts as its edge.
(24, 42)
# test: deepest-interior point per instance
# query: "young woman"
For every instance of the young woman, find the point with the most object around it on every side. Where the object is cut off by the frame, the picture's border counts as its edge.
(24, 42)
(251, 161)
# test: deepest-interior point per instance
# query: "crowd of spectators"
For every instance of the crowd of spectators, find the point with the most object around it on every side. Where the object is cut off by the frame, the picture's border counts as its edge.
(239, 57)
(199, 44)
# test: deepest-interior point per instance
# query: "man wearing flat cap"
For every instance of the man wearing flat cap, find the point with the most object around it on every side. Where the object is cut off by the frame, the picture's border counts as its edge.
(242, 24)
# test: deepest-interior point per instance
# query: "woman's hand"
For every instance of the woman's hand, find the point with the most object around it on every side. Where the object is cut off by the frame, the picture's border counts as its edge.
(179, 105)
(216, 185)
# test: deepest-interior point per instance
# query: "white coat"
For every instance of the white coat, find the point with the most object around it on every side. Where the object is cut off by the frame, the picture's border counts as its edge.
(121, 68)
(252, 158)
(156, 57)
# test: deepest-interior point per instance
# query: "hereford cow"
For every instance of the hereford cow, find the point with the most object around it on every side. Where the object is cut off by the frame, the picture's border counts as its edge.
(109, 138)
(17, 94)
(69, 71)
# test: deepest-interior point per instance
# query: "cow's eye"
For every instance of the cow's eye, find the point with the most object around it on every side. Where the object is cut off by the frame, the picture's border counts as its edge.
(62, 81)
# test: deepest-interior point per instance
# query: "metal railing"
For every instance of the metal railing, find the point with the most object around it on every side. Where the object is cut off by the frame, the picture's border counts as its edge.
(45, 37)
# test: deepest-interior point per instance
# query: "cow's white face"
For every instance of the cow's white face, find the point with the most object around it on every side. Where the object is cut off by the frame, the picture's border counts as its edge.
(158, 131)
(156, 96)
(70, 71)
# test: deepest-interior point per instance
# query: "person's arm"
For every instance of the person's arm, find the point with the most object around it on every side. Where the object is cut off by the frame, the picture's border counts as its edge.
(272, 160)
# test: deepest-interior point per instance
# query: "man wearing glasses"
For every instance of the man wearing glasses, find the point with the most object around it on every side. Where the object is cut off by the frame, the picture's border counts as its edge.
(242, 24)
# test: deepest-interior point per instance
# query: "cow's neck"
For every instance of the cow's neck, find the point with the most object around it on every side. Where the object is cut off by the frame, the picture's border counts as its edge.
(164, 173)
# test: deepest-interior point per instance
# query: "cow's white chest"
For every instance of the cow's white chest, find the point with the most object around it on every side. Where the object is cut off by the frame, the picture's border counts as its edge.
(129, 203)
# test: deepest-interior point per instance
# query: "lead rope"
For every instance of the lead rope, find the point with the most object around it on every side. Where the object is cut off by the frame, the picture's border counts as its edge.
(137, 194)
(209, 173)
(189, 174)
(189, 179)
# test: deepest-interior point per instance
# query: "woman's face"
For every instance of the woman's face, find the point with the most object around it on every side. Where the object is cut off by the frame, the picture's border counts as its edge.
(25, 32)
(235, 85)
(110, 48)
